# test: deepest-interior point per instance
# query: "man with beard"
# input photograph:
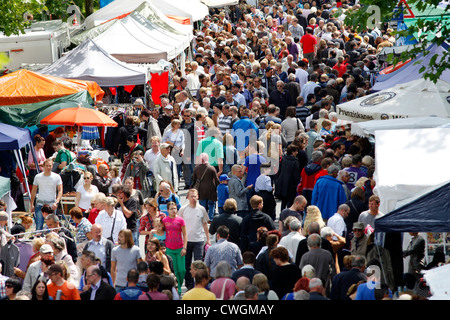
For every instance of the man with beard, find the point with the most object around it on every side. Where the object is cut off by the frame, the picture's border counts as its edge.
(37, 269)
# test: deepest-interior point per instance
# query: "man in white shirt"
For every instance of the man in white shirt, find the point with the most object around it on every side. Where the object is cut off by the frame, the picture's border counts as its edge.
(336, 221)
(112, 221)
(291, 240)
(301, 74)
(47, 189)
(151, 154)
(197, 229)
(239, 97)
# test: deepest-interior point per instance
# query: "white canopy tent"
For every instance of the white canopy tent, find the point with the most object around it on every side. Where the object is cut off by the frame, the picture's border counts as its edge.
(130, 42)
(409, 161)
(368, 128)
(90, 62)
(147, 17)
(219, 3)
(121, 7)
(418, 98)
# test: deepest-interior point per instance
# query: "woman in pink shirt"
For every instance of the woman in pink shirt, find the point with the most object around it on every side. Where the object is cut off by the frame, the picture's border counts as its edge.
(176, 241)
(39, 143)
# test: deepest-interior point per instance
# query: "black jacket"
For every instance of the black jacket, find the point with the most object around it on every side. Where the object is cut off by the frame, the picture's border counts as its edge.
(104, 292)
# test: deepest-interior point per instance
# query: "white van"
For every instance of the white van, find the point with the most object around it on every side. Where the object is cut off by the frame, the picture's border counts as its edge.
(43, 43)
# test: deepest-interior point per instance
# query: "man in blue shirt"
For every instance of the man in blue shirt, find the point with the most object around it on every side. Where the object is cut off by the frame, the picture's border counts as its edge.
(245, 131)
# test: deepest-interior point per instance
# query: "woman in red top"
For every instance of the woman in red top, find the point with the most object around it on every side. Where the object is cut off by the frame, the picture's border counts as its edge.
(340, 66)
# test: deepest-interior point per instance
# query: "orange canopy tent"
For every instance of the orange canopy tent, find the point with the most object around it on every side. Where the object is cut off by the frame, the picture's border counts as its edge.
(24, 87)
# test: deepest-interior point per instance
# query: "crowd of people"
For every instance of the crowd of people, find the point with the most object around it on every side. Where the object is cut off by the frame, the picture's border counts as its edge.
(279, 201)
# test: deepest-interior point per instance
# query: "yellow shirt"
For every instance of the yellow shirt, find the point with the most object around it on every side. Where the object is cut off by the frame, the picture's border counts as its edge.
(199, 294)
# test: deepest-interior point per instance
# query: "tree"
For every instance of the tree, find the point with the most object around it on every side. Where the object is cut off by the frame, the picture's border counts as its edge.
(12, 20)
(361, 18)
(12, 12)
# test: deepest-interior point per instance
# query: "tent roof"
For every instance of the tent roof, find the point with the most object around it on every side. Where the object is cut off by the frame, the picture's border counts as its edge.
(408, 161)
(120, 7)
(24, 86)
(430, 212)
(90, 62)
(12, 137)
(219, 3)
(410, 71)
(418, 98)
(130, 41)
(367, 128)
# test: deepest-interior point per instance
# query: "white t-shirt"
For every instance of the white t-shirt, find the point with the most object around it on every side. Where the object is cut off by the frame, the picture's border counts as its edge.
(194, 218)
(86, 197)
(47, 186)
(337, 223)
(106, 222)
(149, 157)
(125, 259)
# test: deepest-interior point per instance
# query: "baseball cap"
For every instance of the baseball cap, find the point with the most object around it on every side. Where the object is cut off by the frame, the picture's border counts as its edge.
(164, 146)
(169, 106)
(224, 177)
(46, 248)
(358, 225)
(139, 102)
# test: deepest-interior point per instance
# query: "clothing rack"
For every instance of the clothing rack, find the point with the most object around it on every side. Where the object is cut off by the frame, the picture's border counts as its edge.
(37, 231)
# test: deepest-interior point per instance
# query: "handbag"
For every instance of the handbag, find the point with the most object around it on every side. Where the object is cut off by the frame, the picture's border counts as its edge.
(223, 290)
(198, 181)
(112, 229)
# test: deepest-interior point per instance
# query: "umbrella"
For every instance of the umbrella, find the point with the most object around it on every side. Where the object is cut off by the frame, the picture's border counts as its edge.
(79, 117)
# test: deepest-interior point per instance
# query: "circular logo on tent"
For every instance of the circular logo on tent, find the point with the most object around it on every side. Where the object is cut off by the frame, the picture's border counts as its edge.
(448, 99)
(384, 116)
(377, 99)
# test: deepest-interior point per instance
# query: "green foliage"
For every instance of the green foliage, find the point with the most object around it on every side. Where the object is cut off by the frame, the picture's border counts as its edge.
(11, 17)
(358, 19)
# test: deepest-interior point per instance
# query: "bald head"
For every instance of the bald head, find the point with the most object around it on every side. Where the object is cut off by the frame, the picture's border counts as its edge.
(242, 282)
(96, 231)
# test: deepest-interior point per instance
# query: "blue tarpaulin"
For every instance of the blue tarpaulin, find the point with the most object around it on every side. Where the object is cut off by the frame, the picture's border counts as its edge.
(429, 212)
(410, 71)
(12, 137)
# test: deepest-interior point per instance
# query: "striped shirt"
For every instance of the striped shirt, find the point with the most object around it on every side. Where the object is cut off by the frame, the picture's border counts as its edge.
(302, 113)
(200, 133)
(224, 124)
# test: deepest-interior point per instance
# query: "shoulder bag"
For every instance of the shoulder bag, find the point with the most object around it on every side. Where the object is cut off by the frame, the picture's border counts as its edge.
(198, 181)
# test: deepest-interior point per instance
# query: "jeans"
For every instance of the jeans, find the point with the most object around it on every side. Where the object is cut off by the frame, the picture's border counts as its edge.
(210, 207)
(136, 236)
(188, 169)
(38, 217)
(194, 250)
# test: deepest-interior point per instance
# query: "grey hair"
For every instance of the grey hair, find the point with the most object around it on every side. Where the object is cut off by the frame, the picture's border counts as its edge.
(315, 282)
(308, 271)
(301, 295)
(316, 156)
(326, 231)
(58, 243)
(333, 169)
(295, 225)
(314, 241)
(223, 269)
